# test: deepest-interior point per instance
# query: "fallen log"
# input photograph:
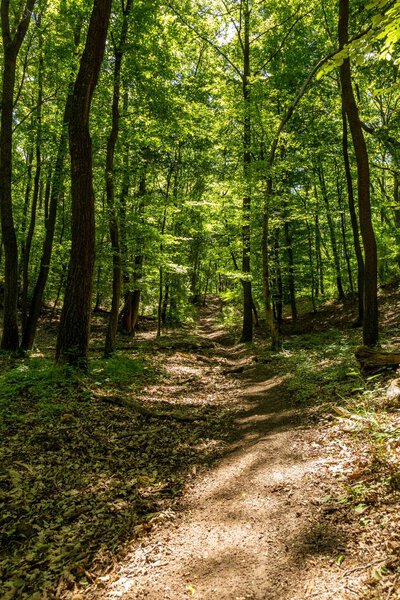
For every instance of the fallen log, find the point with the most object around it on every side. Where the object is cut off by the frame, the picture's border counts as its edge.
(375, 359)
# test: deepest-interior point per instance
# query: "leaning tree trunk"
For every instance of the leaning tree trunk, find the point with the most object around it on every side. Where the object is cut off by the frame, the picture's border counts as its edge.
(73, 335)
(11, 47)
(370, 324)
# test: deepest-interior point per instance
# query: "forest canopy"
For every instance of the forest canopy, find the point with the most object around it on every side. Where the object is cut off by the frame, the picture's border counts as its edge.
(153, 152)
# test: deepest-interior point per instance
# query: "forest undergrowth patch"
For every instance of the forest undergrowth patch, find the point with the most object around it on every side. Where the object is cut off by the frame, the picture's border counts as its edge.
(359, 428)
(79, 475)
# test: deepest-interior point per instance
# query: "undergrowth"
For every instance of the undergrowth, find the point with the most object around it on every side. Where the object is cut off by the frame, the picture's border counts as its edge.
(79, 476)
(321, 372)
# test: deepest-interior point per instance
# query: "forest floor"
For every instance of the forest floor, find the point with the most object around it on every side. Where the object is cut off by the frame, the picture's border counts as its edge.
(196, 466)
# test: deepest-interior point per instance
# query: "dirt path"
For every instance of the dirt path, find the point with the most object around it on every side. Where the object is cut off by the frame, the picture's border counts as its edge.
(250, 527)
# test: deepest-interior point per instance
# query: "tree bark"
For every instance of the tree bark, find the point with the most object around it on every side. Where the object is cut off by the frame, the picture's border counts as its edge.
(29, 333)
(291, 284)
(353, 220)
(247, 327)
(269, 314)
(25, 256)
(74, 331)
(370, 324)
(332, 233)
(113, 220)
(11, 48)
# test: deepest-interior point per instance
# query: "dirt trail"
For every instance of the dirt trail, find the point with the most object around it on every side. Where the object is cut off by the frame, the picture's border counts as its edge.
(249, 527)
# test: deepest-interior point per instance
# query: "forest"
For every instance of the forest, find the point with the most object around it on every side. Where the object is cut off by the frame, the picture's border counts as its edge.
(200, 299)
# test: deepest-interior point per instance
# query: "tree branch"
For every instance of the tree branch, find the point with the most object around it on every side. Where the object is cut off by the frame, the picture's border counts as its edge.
(205, 39)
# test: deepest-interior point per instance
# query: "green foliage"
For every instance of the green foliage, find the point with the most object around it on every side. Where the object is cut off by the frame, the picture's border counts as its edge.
(120, 370)
(322, 367)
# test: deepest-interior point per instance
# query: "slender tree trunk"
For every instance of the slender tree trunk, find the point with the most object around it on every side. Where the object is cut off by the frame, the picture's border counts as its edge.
(25, 211)
(73, 336)
(344, 238)
(113, 220)
(160, 300)
(161, 269)
(25, 257)
(278, 278)
(269, 314)
(291, 284)
(310, 257)
(55, 199)
(370, 323)
(332, 233)
(165, 302)
(47, 193)
(396, 199)
(320, 264)
(11, 47)
(247, 327)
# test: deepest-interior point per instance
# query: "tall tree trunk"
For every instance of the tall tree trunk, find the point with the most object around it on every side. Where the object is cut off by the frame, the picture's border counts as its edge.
(291, 284)
(278, 278)
(25, 210)
(370, 323)
(314, 276)
(344, 238)
(247, 328)
(332, 233)
(130, 310)
(161, 268)
(113, 220)
(11, 47)
(25, 256)
(269, 314)
(73, 335)
(320, 265)
(55, 199)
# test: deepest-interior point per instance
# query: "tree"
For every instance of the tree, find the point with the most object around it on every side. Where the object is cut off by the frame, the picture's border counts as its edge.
(119, 49)
(12, 42)
(73, 336)
(370, 323)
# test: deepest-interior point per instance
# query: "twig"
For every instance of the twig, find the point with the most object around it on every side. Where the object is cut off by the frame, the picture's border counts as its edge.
(363, 567)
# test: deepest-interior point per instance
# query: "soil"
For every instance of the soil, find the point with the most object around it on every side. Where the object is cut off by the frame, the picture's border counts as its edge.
(258, 523)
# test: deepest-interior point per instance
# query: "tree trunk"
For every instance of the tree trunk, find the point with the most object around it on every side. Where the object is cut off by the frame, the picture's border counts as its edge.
(310, 257)
(25, 211)
(278, 279)
(247, 327)
(319, 285)
(291, 284)
(370, 324)
(353, 220)
(269, 314)
(29, 332)
(332, 233)
(11, 47)
(113, 220)
(25, 257)
(73, 335)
